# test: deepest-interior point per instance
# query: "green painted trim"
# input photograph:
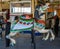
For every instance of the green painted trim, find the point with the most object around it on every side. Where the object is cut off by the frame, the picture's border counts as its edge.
(20, 30)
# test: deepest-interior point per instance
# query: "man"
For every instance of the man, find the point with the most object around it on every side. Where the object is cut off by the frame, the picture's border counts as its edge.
(8, 25)
(56, 26)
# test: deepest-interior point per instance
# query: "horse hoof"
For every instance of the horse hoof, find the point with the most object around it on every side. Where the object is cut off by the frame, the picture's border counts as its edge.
(52, 38)
(45, 39)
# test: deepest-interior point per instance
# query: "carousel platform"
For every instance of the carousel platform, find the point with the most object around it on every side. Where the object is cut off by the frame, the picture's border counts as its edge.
(24, 42)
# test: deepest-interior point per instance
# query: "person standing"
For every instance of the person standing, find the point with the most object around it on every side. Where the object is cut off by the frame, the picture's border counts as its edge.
(56, 26)
(7, 31)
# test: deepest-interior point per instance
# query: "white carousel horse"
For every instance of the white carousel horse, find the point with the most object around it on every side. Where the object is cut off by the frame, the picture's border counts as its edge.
(48, 31)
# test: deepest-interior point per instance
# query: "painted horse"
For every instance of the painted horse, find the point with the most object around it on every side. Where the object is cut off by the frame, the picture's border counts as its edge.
(27, 24)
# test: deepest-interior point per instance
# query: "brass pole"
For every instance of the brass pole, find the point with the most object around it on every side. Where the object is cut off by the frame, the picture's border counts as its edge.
(1, 5)
(33, 6)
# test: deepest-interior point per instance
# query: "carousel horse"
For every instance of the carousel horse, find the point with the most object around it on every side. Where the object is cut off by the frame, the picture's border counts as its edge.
(40, 27)
(29, 23)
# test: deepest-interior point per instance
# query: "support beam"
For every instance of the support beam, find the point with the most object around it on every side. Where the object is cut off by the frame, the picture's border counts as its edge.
(1, 6)
(33, 6)
(36, 2)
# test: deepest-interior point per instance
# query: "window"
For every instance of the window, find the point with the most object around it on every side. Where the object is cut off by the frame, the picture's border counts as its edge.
(21, 9)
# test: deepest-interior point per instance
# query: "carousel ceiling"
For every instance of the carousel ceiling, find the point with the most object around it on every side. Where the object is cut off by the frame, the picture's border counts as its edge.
(4, 4)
